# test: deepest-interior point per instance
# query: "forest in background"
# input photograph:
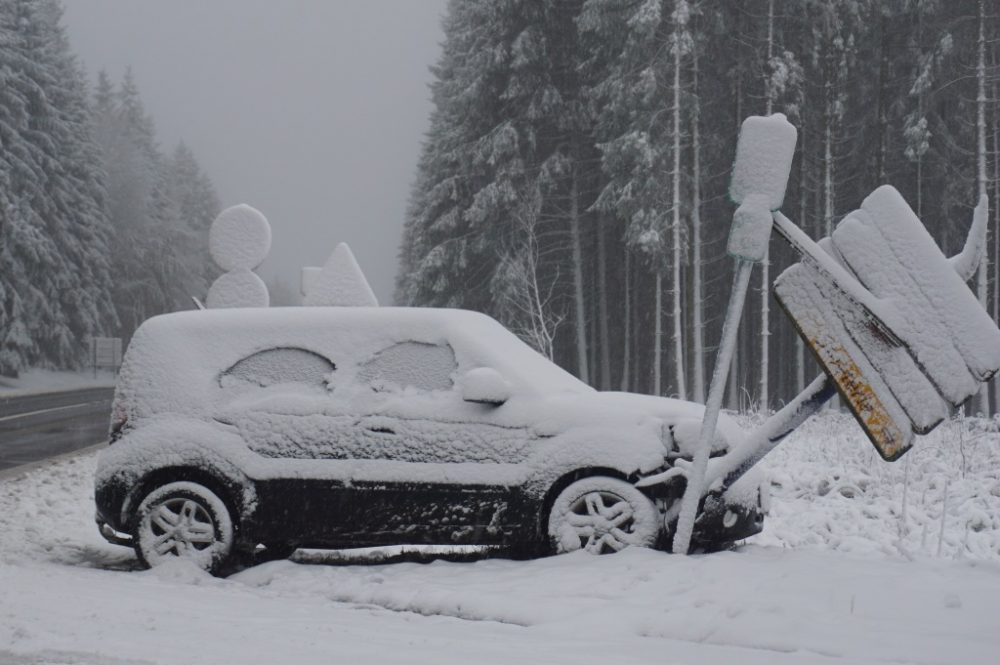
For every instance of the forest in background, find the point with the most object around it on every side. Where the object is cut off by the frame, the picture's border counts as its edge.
(99, 228)
(573, 178)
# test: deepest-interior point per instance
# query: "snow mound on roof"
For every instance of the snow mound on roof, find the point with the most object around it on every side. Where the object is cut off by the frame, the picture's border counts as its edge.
(340, 283)
(240, 238)
(238, 288)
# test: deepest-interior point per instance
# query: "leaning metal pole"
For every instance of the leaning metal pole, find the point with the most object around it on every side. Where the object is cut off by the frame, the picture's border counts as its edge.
(764, 154)
(696, 477)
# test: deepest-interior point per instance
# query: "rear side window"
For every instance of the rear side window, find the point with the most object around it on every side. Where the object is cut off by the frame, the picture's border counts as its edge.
(410, 365)
(276, 366)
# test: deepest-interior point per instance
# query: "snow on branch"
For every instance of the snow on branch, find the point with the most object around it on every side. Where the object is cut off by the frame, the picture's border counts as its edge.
(967, 261)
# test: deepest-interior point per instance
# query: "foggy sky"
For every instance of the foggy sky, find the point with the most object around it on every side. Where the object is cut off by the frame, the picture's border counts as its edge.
(310, 110)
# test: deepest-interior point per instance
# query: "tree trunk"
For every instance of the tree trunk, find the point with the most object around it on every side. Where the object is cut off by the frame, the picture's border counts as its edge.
(676, 289)
(580, 320)
(883, 80)
(699, 298)
(658, 336)
(800, 347)
(627, 337)
(602, 303)
(765, 265)
(982, 288)
(996, 224)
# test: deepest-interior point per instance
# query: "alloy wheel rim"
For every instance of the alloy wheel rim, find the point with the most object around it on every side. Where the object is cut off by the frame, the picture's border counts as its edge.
(180, 527)
(603, 521)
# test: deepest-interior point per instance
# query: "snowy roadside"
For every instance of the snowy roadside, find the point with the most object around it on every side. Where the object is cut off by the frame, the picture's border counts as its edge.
(46, 381)
(942, 500)
(68, 597)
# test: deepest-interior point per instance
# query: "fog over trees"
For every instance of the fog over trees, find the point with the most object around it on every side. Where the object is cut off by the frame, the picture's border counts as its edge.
(573, 178)
(99, 229)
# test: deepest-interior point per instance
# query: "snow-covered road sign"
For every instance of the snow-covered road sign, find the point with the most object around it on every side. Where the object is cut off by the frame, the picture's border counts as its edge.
(105, 353)
(764, 155)
(889, 319)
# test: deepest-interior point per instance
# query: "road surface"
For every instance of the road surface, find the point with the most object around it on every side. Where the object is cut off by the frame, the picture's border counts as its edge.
(36, 427)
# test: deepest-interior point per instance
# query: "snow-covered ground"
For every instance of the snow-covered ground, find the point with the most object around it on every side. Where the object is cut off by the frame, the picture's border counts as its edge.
(44, 381)
(830, 580)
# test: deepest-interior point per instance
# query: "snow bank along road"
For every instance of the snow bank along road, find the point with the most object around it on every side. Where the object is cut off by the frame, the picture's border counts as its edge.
(840, 575)
(38, 426)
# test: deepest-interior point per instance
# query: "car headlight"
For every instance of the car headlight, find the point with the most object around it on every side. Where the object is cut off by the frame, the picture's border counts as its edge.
(667, 438)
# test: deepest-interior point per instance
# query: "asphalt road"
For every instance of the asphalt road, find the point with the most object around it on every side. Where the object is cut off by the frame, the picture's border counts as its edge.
(36, 427)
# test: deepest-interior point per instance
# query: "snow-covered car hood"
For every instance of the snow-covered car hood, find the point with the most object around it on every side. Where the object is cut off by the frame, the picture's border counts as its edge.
(681, 420)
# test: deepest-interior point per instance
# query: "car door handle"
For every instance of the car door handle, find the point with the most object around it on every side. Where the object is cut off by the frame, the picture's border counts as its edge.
(378, 426)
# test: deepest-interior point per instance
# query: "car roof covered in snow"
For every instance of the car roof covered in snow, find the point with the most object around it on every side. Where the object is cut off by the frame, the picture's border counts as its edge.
(175, 359)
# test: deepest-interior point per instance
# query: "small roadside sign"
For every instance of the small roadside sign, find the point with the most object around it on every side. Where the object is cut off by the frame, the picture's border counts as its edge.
(105, 353)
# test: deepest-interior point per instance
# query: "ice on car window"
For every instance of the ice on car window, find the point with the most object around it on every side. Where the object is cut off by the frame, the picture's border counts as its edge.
(282, 365)
(410, 364)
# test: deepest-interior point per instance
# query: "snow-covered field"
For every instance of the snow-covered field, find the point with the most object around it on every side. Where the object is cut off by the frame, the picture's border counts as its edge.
(843, 573)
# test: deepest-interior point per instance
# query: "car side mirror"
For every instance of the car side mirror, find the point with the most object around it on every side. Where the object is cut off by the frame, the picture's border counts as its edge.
(485, 385)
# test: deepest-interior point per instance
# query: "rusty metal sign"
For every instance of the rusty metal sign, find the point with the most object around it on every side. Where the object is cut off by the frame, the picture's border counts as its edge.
(891, 323)
(822, 314)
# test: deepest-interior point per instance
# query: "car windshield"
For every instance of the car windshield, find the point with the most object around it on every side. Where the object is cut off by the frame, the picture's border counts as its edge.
(492, 345)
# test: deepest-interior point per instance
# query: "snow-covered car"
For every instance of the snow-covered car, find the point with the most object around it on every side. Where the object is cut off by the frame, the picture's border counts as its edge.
(335, 427)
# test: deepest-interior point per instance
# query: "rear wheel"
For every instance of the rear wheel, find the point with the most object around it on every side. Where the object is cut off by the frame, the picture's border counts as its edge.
(602, 515)
(184, 520)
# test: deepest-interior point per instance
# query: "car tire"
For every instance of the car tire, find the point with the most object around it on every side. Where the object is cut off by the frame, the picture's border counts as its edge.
(184, 520)
(602, 515)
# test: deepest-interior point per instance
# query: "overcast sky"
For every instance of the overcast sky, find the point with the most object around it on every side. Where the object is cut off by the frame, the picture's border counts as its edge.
(310, 110)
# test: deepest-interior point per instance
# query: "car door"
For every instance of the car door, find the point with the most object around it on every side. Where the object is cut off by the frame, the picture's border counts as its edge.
(386, 452)
(278, 400)
(431, 467)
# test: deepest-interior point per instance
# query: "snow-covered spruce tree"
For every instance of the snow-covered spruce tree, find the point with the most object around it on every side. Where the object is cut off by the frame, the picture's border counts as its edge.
(56, 240)
(504, 124)
(131, 164)
(194, 205)
(17, 164)
(628, 78)
(892, 98)
(442, 253)
(160, 208)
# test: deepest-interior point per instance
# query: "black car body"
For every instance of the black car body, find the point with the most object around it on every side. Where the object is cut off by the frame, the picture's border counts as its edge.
(343, 427)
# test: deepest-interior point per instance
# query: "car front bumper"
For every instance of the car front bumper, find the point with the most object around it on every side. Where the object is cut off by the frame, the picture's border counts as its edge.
(109, 533)
(722, 522)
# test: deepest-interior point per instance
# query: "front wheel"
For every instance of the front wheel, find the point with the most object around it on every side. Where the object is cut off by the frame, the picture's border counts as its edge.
(602, 515)
(184, 520)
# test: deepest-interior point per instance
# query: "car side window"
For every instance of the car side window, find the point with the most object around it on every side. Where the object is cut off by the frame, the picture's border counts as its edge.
(277, 366)
(410, 365)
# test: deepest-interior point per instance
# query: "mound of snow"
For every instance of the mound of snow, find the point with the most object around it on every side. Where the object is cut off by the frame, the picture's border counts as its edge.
(831, 491)
(238, 288)
(240, 238)
(340, 283)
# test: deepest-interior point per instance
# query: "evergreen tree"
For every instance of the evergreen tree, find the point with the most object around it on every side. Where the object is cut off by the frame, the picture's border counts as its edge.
(161, 209)
(54, 232)
(599, 134)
